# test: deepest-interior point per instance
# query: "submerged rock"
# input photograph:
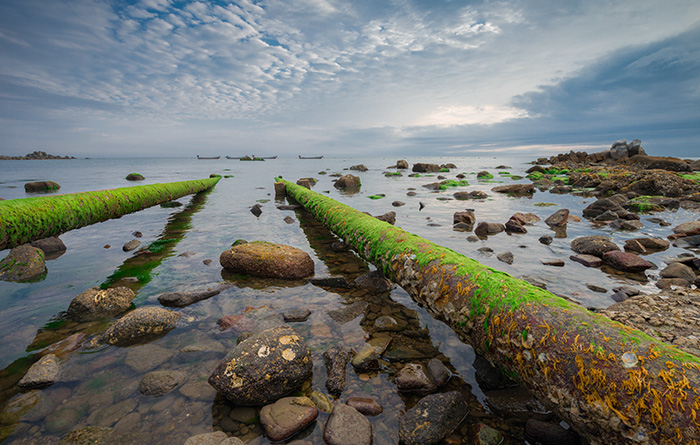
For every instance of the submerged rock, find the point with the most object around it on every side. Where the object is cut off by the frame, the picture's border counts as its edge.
(365, 405)
(432, 419)
(347, 426)
(158, 383)
(215, 438)
(268, 260)
(96, 303)
(263, 368)
(182, 299)
(287, 416)
(41, 374)
(412, 378)
(24, 263)
(336, 360)
(374, 280)
(142, 325)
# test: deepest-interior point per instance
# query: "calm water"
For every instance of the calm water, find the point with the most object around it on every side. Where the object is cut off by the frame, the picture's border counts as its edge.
(100, 386)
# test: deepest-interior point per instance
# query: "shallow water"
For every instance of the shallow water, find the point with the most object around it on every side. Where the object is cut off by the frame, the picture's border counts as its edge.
(100, 386)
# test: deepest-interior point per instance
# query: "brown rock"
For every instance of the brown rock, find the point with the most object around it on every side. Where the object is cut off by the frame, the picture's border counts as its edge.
(558, 218)
(96, 303)
(349, 182)
(263, 259)
(287, 416)
(587, 260)
(24, 263)
(595, 245)
(515, 189)
(365, 405)
(687, 229)
(626, 261)
(678, 270)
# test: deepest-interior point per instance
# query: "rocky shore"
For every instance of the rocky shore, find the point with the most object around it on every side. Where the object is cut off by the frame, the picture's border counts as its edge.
(37, 155)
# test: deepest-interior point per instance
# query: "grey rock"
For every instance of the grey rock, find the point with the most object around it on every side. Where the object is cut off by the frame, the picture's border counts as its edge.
(337, 282)
(41, 374)
(506, 257)
(546, 240)
(264, 367)
(131, 245)
(623, 224)
(23, 263)
(432, 419)
(595, 245)
(438, 372)
(141, 325)
(296, 315)
(412, 378)
(398, 203)
(558, 218)
(182, 299)
(485, 228)
(347, 426)
(215, 438)
(336, 360)
(158, 383)
(348, 312)
(96, 303)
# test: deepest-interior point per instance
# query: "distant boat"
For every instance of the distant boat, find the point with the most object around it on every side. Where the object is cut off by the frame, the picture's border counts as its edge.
(310, 157)
(268, 157)
(233, 157)
(205, 157)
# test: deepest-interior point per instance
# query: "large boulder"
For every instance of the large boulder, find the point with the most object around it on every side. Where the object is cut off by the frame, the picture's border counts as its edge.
(420, 167)
(264, 367)
(348, 182)
(604, 205)
(140, 326)
(96, 303)
(626, 261)
(432, 419)
(263, 259)
(24, 263)
(687, 229)
(515, 189)
(595, 245)
(41, 186)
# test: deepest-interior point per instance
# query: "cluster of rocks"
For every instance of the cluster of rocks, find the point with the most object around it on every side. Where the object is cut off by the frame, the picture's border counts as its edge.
(37, 155)
(28, 261)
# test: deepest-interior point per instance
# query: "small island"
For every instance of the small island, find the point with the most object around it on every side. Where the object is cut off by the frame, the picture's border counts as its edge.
(33, 156)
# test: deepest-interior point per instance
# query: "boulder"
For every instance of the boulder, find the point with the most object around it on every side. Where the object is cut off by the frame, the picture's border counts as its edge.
(50, 246)
(412, 378)
(626, 261)
(466, 217)
(268, 260)
(432, 419)
(23, 263)
(691, 228)
(182, 299)
(41, 374)
(644, 162)
(515, 189)
(134, 177)
(365, 405)
(264, 367)
(359, 168)
(604, 205)
(347, 426)
(336, 360)
(558, 218)
(348, 182)
(388, 217)
(486, 228)
(140, 326)
(420, 167)
(678, 270)
(158, 383)
(287, 416)
(438, 372)
(41, 186)
(96, 303)
(595, 245)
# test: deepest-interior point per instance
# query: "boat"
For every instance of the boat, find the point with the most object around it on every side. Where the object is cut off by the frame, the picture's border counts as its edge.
(310, 157)
(234, 157)
(268, 157)
(205, 157)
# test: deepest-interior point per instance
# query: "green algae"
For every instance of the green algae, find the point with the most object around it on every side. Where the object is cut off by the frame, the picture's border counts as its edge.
(29, 219)
(444, 170)
(695, 176)
(485, 176)
(377, 196)
(452, 183)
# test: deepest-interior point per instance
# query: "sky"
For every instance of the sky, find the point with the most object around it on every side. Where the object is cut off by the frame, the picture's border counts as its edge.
(105, 78)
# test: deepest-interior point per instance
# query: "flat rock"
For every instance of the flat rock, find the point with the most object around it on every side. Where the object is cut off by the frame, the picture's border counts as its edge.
(182, 299)
(432, 419)
(651, 243)
(558, 218)
(587, 260)
(515, 189)
(158, 383)
(365, 405)
(41, 374)
(264, 367)
(287, 416)
(626, 261)
(348, 312)
(412, 378)
(268, 260)
(595, 245)
(336, 360)
(347, 426)
(691, 228)
(623, 224)
(141, 325)
(23, 263)
(96, 303)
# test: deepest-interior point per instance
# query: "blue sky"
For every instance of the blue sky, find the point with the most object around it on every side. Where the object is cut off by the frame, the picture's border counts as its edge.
(288, 77)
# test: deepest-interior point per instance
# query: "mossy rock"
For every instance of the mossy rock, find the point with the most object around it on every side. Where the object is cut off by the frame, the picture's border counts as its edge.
(41, 186)
(24, 263)
(134, 177)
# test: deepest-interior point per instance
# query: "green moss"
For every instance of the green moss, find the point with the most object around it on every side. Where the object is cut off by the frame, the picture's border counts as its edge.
(556, 171)
(485, 176)
(695, 176)
(561, 178)
(378, 196)
(389, 174)
(516, 178)
(444, 185)
(444, 170)
(505, 173)
(28, 219)
(535, 176)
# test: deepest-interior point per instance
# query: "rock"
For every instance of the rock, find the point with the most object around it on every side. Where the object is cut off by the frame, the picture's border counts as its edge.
(141, 325)
(287, 416)
(632, 245)
(547, 433)
(182, 299)
(602, 206)
(336, 360)
(606, 216)
(506, 257)
(485, 228)
(374, 280)
(131, 245)
(306, 182)
(555, 262)
(256, 210)
(401, 164)
(134, 177)
(688, 241)
(412, 378)
(23, 263)
(687, 229)
(623, 224)
(462, 227)
(87, 435)
(626, 261)
(668, 283)
(280, 190)
(263, 368)
(158, 383)
(527, 219)
(546, 240)
(678, 270)
(596, 288)
(515, 189)
(398, 203)
(482, 434)
(50, 246)
(338, 282)
(432, 419)
(366, 358)
(41, 374)
(348, 182)
(514, 226)
(438, 372)
(359, 168)
(466, 217)
(96, 303)
(348, 312)
(389, 217)
(268, 260)
(41, 186)
(347, 426)
(420, 167)
(251, 319)
(296, 315)
(558, 218)
(365, 405)
(644, 162)
(595, 245)
(587, 260)
(215, 438)
(651, 243)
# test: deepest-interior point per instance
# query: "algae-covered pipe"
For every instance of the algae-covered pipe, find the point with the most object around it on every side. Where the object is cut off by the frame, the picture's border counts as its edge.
(612, 383)
(29, 219)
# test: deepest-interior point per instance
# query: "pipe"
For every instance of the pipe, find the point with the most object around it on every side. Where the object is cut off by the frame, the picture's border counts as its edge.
(611, 383)
(29, 219)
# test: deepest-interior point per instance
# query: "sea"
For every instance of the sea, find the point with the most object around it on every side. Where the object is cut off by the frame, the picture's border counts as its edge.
(99, 385)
